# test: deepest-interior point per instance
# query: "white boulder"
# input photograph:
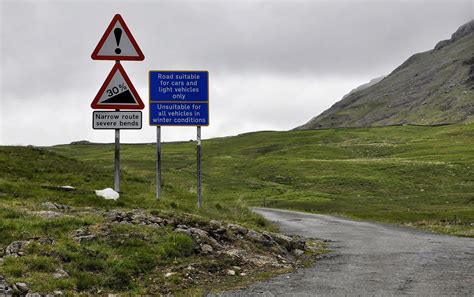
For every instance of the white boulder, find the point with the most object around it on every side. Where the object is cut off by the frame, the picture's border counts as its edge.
(108, 194)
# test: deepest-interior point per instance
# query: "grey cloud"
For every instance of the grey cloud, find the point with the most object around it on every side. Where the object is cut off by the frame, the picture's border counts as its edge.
(45, 46)
(49, 43)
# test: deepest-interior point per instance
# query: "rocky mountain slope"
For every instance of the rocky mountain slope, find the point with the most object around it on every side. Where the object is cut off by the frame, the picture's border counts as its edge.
(433, 87)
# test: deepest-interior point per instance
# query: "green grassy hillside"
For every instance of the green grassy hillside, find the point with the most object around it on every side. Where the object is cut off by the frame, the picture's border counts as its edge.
(411, 175)
(131, 258)
(421, 176)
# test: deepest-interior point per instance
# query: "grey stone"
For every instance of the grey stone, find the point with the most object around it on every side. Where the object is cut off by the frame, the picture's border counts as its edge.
(55, 206)
(60, 273)
(282, 239)
(67, 188)
(14, 248)
(237, 229)
(206, 249)
(168, 274)
(20, 288)
(199, 234)
(298, 252)
(5, 288)
(181, 230)
(215, 224)
(259, 237)
(82, 234)
(48, 214)
(235, 253)
(49, 205)
(230, 272)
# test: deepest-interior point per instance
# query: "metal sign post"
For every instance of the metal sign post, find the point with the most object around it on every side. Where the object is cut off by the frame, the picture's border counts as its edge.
(117, 161)
(179, 98)
(198, 150)
(158, 162)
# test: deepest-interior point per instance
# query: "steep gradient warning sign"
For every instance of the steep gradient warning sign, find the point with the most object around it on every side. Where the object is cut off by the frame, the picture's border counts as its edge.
(117, 92)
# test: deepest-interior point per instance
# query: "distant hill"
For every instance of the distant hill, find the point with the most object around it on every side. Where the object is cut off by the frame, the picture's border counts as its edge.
(433, 87)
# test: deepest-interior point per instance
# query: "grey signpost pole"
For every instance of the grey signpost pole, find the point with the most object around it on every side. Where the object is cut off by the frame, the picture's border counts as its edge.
(198, 149)
(117, 155)
(158, 162)
(117, 161)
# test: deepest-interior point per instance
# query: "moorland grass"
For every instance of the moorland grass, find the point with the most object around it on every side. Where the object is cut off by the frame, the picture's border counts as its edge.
(412, 175)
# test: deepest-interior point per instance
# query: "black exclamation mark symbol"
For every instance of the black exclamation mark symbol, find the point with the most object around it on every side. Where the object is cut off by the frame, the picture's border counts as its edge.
(118, 35)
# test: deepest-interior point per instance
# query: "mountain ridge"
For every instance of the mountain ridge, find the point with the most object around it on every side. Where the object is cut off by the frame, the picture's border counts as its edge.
(429, 88)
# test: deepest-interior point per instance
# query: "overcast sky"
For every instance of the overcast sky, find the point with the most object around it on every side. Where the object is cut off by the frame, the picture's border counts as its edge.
(273, 64)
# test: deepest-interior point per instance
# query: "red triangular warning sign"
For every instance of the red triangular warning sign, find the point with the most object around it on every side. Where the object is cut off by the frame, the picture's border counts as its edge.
(117, 92)
(117, 43)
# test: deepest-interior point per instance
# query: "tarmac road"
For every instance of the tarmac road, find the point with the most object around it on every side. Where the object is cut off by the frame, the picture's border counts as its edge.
(371, 260)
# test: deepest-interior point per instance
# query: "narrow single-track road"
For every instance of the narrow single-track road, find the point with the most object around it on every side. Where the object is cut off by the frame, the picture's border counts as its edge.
(371, 259)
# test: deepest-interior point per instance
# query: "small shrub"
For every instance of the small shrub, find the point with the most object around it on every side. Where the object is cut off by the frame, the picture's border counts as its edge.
(13, 267)
(261, 222)
(91, 264)
(85, 281)
(41, 263)
(68, 252)
(120, 276)
(145, 260)
(177, 245)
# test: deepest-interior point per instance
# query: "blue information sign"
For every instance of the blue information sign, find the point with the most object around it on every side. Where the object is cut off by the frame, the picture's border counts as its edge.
(179, 98)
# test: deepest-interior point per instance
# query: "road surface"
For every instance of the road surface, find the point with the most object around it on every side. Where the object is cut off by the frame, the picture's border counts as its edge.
(371, 260)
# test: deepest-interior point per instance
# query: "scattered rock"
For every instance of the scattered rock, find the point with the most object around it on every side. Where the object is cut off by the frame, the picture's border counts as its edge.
(48, 205)
(230, 272)
(48, 214)
(5, 288)
(67, 188)
(60, 273)
(15, 248)
(138, 218)
(108, 194)
(55, 206)
(263, 260)
(237, 229)
(168, 274)
(258, 237)
(206, 249)
(181, 230)
(298, 252)
(82, 234)
(199, 235)
(20, 288)
(282, 239)
(215, 224)
(235, 253)
(45, 240)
